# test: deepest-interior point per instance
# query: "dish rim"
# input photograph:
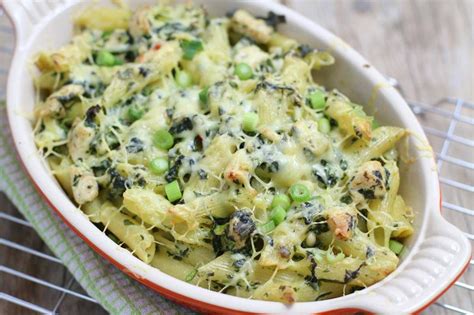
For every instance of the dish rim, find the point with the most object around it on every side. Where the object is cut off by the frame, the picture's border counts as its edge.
(134, 267)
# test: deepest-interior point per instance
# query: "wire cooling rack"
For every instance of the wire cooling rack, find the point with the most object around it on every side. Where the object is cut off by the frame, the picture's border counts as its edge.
(450, 129)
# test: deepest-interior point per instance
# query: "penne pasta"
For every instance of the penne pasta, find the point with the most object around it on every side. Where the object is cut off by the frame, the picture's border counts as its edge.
(205, 148)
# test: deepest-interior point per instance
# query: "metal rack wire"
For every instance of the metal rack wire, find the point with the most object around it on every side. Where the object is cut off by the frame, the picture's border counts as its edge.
(455, 114)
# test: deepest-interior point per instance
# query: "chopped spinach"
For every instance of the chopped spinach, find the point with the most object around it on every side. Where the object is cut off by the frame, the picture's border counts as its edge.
(182, 125)
(118, 183)
(172, 173)
(274, 19)
(112, 140)
(367, 193)
(135, 145)
(304, 50)
(347, 199)
(101, 168)
(91, 113)
(312, 280)
(202, 174)
(350, 275)
(319, 225)
(179, 253)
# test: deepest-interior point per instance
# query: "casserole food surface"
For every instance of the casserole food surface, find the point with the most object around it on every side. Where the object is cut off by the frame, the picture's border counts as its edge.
(204, 146)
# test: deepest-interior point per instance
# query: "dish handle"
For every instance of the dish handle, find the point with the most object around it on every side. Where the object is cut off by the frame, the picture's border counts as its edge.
(26, 14)
(443, 256)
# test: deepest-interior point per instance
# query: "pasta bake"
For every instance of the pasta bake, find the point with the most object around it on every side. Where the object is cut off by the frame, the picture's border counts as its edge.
(205, 147)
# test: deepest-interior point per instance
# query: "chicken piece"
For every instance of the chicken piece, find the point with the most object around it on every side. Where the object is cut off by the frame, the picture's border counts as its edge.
(306, 133)
(342, 221)
(68, 56)
(369, 182)
(139, 23)
(53, 106)
(79, 140)
(238, 169)
(246, 24)
(84, 186)
(67, 93)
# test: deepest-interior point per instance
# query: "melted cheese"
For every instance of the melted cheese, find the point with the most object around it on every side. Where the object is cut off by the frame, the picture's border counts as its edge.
(98, 127)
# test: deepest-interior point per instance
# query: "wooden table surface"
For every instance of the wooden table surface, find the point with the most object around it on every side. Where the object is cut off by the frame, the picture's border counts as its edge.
(427, 45)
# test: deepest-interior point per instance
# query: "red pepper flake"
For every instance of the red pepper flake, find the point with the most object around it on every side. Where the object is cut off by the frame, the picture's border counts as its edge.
(157, 46)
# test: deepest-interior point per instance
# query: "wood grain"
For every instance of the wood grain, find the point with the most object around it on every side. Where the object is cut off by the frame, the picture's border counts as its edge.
(427, 45)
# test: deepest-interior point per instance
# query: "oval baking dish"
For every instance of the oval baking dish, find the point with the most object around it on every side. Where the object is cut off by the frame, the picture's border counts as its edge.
(437, 254)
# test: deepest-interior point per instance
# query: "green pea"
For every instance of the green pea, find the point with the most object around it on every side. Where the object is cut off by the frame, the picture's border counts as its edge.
(159, 166)
(243, 71)
(163, 139)
(204, 95)
(135, 113)
(183, 79)
(317, 99)
(324, 125)
(278, 215)
(105, 58)
(250, 122)
(281, 200)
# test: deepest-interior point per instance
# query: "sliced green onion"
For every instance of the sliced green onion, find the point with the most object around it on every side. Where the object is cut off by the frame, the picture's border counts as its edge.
(118, 62)
(324, 125)
(134, 113)
(317, 99)
(249, 122)
(395, 246)
(375, 124)
(163, 139)
(278, 215)
(183, 79)
(334, 258)
(299, 193)
(267, 227)
(159, 166)
(105, 58)
(191, 48)
(190, 276)
(243, 71)
(281, 200)
(204, 96)
(173, 192)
